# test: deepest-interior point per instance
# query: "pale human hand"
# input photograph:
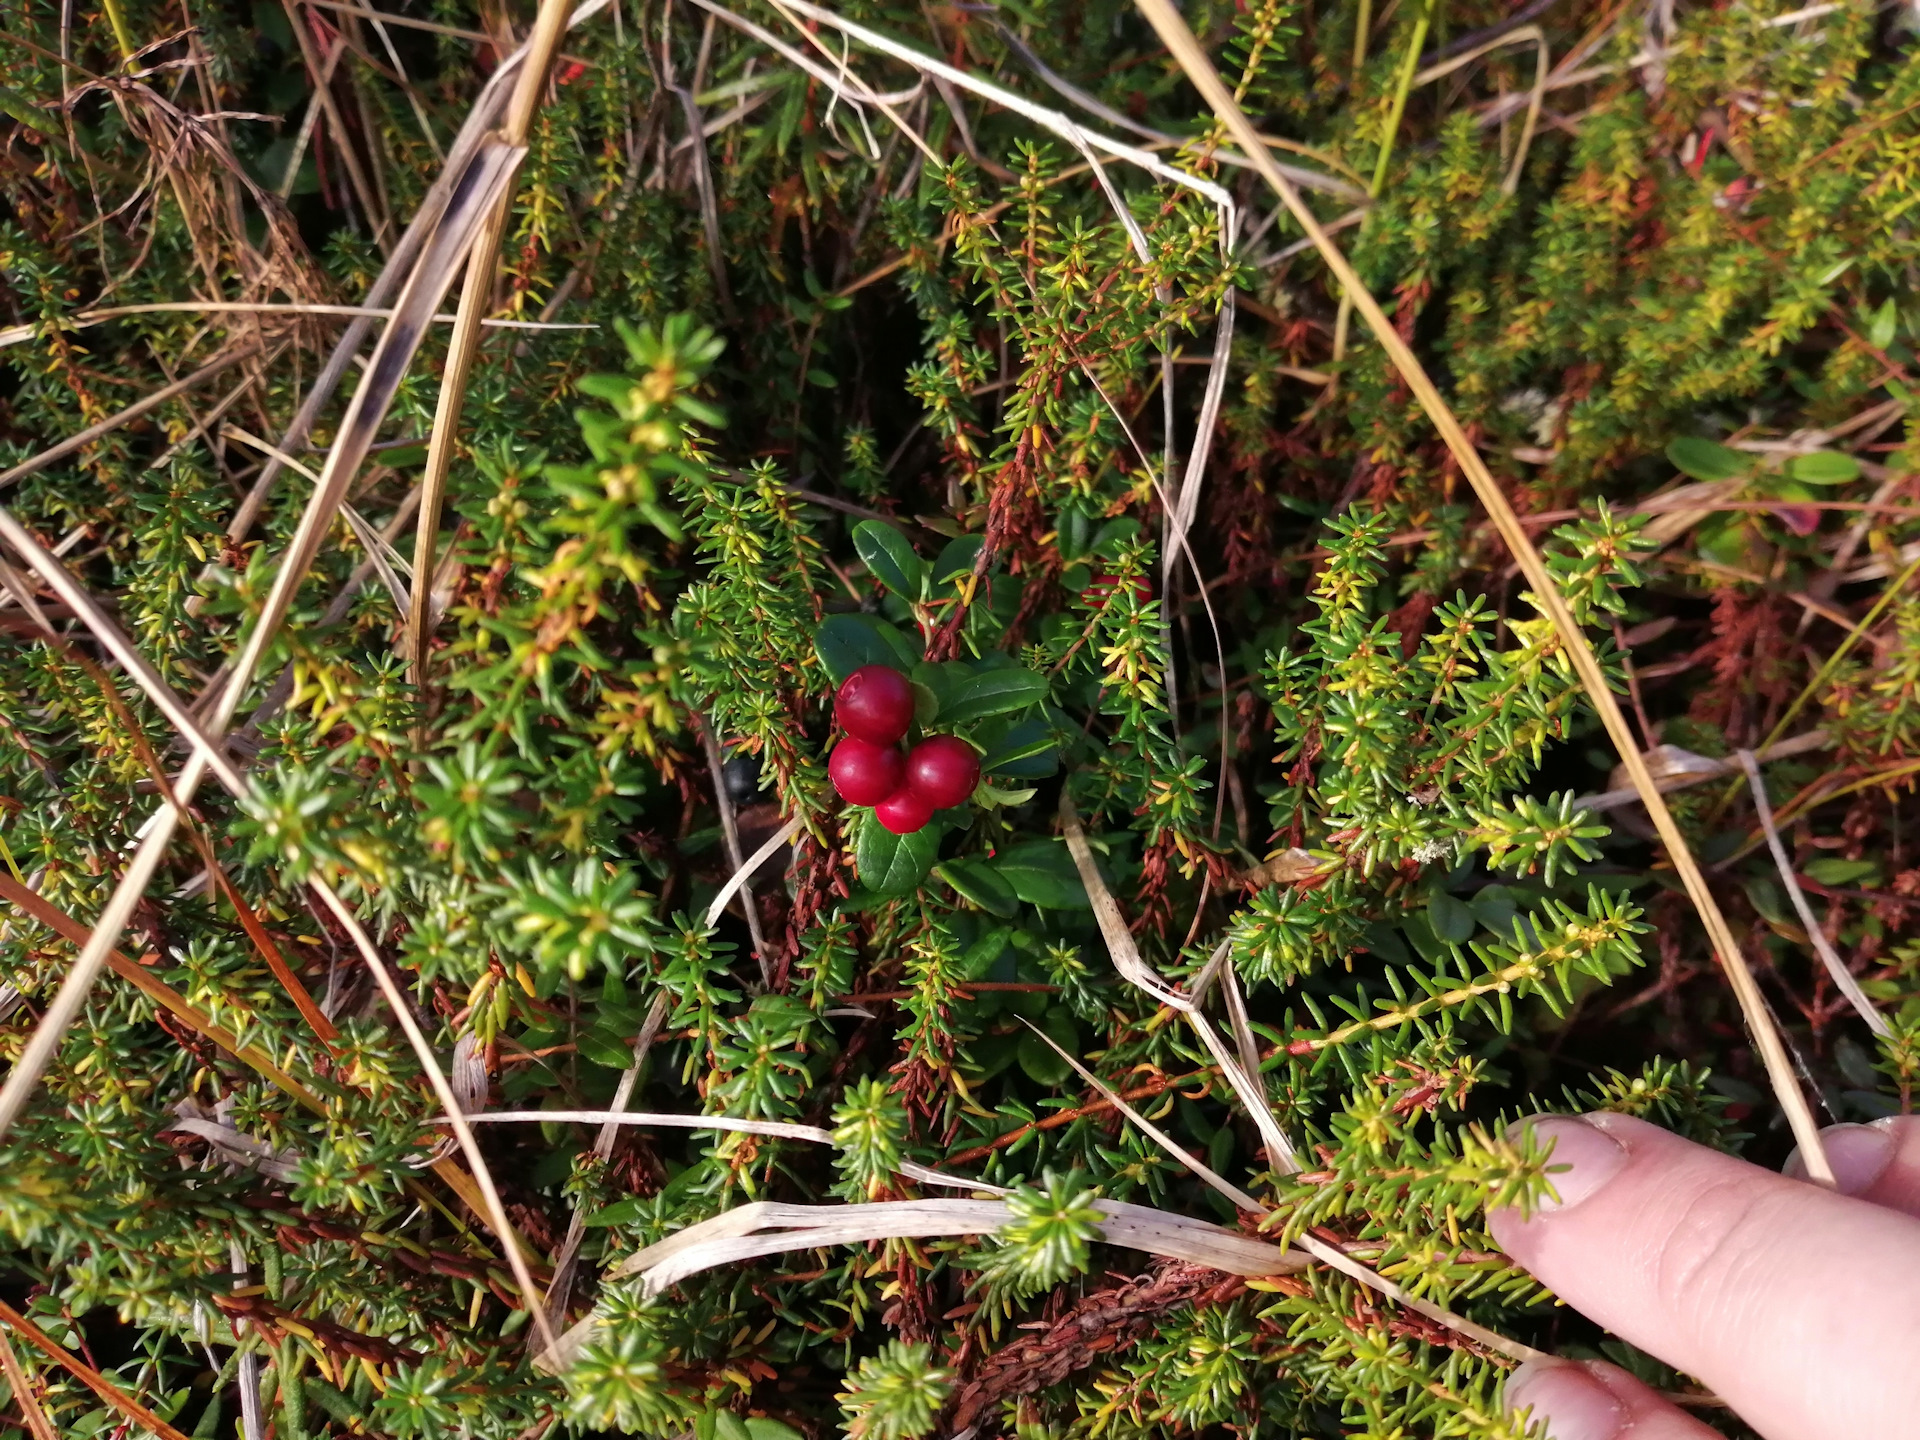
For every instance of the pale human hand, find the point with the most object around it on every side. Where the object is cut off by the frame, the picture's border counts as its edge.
(1797, 1306)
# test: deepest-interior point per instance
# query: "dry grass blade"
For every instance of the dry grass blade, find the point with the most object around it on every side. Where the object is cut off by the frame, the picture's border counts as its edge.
(730, 834)
(142, 406)
(475, 297)
(1071, 131)
(1710, 770)
(475, 132)
(1129, 962)
(1194, 473)
(1837, 970)
(162, 994)
(86, 1374)
(491, 1208)
(38, 1425)
(1106, 913)
(471, 200)
(1543, 61)
(1205, 1172)
(744, 871)
(777, 1129)
(20, 334)
(562, 1286)
(1186, 49)
(775, 1228)
(1317, 1248)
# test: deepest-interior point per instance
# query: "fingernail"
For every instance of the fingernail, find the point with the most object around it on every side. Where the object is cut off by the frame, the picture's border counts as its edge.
(1574, 1404)
(1857, 1153)
(1592, 1158)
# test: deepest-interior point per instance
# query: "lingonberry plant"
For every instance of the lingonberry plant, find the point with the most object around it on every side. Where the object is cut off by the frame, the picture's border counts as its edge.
(978, 832)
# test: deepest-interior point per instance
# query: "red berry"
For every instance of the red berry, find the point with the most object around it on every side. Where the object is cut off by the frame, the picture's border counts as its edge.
(903, 812)
(943, 771)
(866, 774)
(875, 704)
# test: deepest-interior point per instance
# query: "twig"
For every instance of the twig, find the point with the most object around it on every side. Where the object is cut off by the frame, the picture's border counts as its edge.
(1179, 39)
(86, 1374)
(1836, 967)
(133, 412)
(730, 834)
(23, 1392)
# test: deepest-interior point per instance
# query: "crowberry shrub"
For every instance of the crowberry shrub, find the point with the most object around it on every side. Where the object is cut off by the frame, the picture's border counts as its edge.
(935, 644)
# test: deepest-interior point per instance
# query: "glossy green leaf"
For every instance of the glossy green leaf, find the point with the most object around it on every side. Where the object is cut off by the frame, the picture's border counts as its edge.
(981, 884)
(957, 558)
(1824, 467)
(604, 1049)
(1018, 749)
(1881, 328)
(1041, 872)
(993, 692)
(846, 642)
(1707, 459)
(1451, 919)
(621, 1212)
(890, 864)
(890, 557)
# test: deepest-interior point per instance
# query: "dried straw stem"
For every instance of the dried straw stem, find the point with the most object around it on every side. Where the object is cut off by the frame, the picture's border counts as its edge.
(475, 299)
(86, 1374)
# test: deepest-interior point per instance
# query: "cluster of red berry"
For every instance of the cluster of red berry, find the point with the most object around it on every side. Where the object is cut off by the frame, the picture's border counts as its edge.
(875, 707)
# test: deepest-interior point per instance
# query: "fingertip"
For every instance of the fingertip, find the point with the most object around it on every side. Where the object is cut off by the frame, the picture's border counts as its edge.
(1570, 1400)
(1592, 1400)
(1857, 1154)
(1878, 1163)
(1582, 1159)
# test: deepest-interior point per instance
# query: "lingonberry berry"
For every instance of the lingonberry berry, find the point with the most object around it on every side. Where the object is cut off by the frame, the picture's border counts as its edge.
(865, 774)
(904, 811)
(943, 771)
(875, 704)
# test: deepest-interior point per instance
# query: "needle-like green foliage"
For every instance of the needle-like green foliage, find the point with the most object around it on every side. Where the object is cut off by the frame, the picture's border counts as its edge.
(924, 381)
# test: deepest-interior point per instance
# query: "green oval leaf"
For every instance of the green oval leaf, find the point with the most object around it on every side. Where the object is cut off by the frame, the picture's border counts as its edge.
(604, 1049)
(890, 864)
(621, 1212)
(996, 692)
(1824, 467)
(957, 558)
(890, 557)
(1450, 918)
(1706, 459)
(1041, 872)
(846, 642)
(1044, 1065)
(978, 883)
(1020, 749)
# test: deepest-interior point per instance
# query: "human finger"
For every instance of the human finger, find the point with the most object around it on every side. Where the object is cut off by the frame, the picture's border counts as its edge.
(1596, 1401)
(1878, 1163)
(1797, 1305)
